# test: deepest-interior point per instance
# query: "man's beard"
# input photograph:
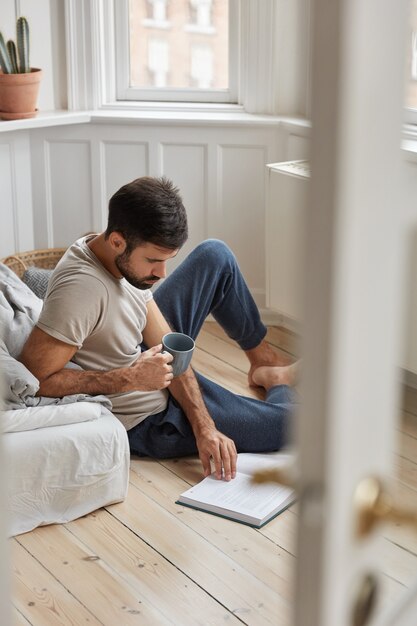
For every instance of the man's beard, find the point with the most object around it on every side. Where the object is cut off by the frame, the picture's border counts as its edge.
(144, 282)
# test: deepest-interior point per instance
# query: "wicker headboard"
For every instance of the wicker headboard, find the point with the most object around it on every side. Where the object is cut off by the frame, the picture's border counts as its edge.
(46, 259)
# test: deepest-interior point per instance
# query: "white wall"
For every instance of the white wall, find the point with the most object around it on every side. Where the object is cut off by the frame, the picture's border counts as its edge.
(16, 217)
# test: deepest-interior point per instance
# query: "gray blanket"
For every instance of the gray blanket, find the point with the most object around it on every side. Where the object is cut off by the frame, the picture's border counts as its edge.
(19, 310)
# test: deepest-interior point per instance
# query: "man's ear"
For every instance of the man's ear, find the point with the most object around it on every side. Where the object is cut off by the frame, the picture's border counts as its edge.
(117, 242)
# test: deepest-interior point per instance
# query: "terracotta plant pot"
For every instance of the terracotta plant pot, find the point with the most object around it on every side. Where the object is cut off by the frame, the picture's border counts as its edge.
(19, 94)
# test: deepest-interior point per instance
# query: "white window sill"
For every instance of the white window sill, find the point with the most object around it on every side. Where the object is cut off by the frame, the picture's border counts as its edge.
(187, 113)
(47, 118)
(148, 114)
(189, 116)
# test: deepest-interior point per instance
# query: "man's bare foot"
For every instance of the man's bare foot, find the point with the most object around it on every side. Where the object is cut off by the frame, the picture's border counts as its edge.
(268, 376)
(264, 355)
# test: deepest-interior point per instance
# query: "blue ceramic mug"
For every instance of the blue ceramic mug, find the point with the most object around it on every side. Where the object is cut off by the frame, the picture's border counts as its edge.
(181, 347)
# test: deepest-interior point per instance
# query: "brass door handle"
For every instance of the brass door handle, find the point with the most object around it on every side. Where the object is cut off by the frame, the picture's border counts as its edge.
(374, 504)
(372, 501)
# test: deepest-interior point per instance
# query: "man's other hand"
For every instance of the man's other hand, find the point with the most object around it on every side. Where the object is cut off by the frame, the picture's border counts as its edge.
(212, 444)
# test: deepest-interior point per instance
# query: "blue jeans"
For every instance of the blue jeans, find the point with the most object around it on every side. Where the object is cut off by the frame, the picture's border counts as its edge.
(210, 281)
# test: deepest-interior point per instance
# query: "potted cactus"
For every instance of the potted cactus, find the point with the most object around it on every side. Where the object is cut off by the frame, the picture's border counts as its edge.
(19, 83)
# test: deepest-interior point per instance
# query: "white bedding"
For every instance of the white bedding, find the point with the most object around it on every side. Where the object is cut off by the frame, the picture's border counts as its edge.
(59, 473)
(31, 418)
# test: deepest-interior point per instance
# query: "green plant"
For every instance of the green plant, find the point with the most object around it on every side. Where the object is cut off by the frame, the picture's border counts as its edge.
(12, 60)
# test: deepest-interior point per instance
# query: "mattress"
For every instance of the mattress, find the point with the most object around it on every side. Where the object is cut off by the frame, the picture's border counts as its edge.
(58, 473)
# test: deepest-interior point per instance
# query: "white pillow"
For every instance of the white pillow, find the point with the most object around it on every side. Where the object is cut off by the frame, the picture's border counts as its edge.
(45, 416)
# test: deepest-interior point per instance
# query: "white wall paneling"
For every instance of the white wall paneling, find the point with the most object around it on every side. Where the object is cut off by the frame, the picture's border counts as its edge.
(22, 181)
(62, 186)
(69, 195)
(16, 231)
(287, 193)
(242, 205)
(8, 230)
(186, 165)
(123, 161)
(42, 238)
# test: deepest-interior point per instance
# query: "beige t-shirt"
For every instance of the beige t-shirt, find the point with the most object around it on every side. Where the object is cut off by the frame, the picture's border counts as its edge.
(87, 307)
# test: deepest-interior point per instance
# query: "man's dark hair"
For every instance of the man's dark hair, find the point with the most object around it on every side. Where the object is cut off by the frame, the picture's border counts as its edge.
(148, 210)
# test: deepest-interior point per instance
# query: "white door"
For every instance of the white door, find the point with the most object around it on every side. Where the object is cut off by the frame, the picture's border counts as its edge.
(356, 243)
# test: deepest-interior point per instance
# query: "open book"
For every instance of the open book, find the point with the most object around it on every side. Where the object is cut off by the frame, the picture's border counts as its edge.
(240, 499)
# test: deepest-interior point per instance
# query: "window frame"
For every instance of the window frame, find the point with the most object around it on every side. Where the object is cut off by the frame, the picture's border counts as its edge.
(161, 94)
(272, 68)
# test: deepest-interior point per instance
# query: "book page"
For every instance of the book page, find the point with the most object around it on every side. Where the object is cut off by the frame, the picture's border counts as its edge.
(240, 495)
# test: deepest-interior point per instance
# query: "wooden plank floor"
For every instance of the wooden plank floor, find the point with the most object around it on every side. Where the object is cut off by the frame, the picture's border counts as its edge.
(149, 561)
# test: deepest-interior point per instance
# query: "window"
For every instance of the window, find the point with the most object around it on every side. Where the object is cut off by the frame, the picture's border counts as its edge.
(142, 54)
(179, 50)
